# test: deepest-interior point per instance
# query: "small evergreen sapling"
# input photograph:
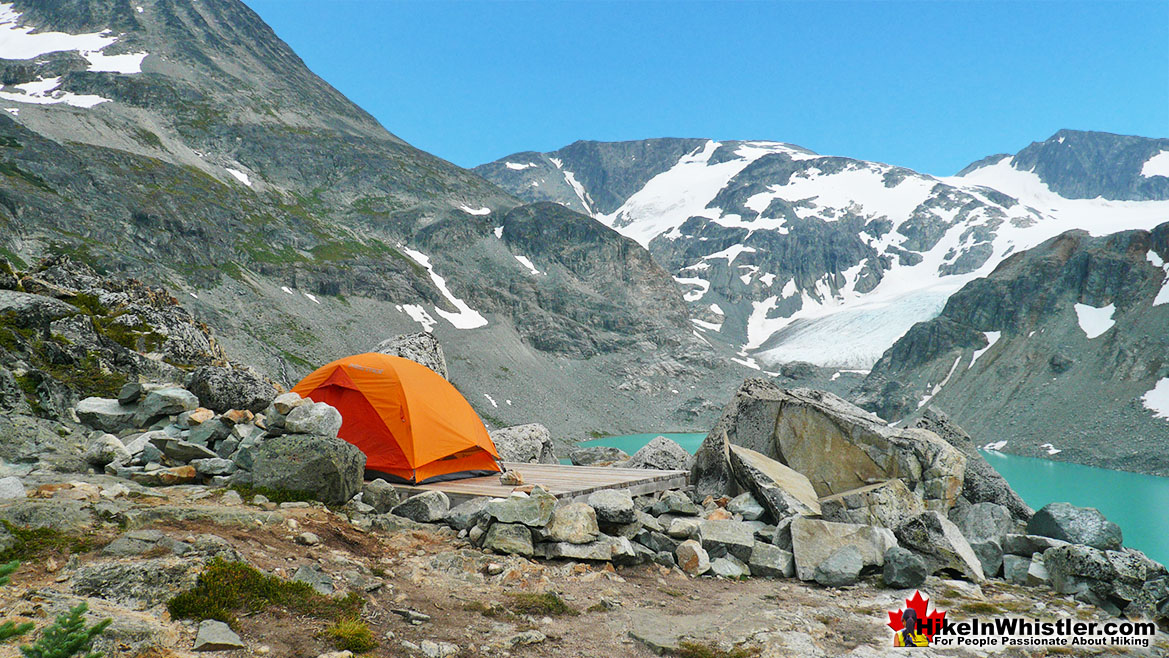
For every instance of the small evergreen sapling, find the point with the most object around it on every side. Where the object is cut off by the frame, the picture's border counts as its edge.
(67, 637)
(11, 629)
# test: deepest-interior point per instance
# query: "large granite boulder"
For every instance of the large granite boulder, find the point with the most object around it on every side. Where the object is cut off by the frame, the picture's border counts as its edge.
(161, 402)
(661, 454)
(711, 473)
(596, 456)
(815, 540)
(509, 538)
(984, 522)
(840, 569)
(574, 523)
(839, 446)
(613, 506)
(941, 543)
(783, 491)
(903, 568)
(1077, 525)
(981, 483)
(106, 414)
(887, 504)
(526, 444)
(421, 347)
(330, 469)
(533, 510)
(315, 418)
(726, 536)
(221, 389)
(426, 507)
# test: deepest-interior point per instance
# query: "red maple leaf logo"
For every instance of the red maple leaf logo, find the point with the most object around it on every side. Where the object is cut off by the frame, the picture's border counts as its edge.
(931, 621)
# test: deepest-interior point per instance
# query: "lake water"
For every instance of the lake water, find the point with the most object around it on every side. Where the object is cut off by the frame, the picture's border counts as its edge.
(1138, 503)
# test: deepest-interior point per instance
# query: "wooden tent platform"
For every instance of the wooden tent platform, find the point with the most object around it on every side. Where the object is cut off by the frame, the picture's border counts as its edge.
(563, 481)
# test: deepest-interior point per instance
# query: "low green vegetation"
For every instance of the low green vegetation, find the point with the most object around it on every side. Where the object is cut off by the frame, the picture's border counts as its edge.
(709, 650)
(351, 635)
(67, 637)
(33, 543)
(542, 604)
(227, 588)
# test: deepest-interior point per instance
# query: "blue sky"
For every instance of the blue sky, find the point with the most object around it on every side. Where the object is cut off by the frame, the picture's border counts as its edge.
(927, 85)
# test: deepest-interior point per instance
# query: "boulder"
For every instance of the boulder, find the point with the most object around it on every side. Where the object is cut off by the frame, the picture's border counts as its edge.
(661, 454)
(316, 418)
(1037, 571)
(840, 569)
(769, 561)
(314, 577)
(746, 506)
(509, 538)
(574, 523)
(982, 522)
(1028, 545)
(1077, 525)
(711, 473)
(533, 510)
(166, 477)
(658, 542)
(729, 567)
(990, 556)
(692, 558)
(887, 504)
(284, 403)
(596, 456)
(11, 488)
(426, 507)
(1075, 569)
(604, 548)
(380, 495)
(421, 347)
(525, 444)
(330, 469)
(223, 389)
(214, 466)
(105, 448)
(1015, 569)
(725, 537)
(783, 491)
(685, 527)
(468, 513)
(613, 506)
(675, 502)
(179, 450)
(167, 401)
(814, 540)
(106, 415)
(209, 432)
(839, 446)
(981, 483)
(903, 569)
(29, 311)
(940, 542)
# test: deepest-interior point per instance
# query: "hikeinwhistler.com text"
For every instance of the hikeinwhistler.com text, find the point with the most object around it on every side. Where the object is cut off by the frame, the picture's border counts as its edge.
(1020, 632)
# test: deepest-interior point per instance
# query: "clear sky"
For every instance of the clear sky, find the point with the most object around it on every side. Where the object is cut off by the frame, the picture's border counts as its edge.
(928, 85)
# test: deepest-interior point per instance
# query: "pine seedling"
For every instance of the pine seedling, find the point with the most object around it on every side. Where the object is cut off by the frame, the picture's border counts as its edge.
(11, 629)
(67, 637)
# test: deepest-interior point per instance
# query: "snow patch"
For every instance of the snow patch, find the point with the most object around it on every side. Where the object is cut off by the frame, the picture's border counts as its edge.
(709, 326)
(240, 176)
(717, 309)
(499, 232)
(475, 211)
(1153, 257)
(702, 285)
(527, 263)
(312, 298)
(419, 315)
(519, 167)
(925, 400)
(491, 400)
(466, 317)
(995, 446)
(992, 337)
(1095, 321)
(43, 91)
(287, 290)
(1157, 399)
(1051, 450)
(1158, 165)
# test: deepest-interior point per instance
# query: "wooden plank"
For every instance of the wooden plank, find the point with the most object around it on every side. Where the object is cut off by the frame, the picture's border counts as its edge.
(560, 480)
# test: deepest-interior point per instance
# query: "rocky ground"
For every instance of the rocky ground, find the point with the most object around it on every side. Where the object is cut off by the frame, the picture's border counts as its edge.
(427, 592)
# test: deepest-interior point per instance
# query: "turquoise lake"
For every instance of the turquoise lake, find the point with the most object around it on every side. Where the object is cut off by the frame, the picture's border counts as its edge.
(1138, 503)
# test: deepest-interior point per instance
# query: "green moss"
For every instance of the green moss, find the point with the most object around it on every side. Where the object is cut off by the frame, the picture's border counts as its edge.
(13, 258)
(12, 171)
(139, 337)
(147, 138)
(597, 434)
(247, 492)
(226, 588)
(545, 603)
(10, 142)
(28, 385)
(88, 377)
(32, 543)
(232, 270)
(89, 304)
(351, 635)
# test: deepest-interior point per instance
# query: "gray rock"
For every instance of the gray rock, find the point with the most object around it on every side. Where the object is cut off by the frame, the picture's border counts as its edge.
(574, 523)
(330, 469)
(105, 414)
(940, 541)
(64, 515)
(209, 433)
(510, 538)
(467, 513)
(1076, 567)
(685, 527)
(1028, 545)
(840, 569)
(885, 504)
(711, 473)
(1015, 569)
(746, 506)
(903, 569)
(217, 636)
(28, 310)
(782, 535)
(426, 507)
(421, 348)
(723, 537)
(814, 540)
(533, 510)
(1077, 525)
(222, 389)
(11, 488)
(214, 466)
(596, 456)
(613, 506)
(130, 393)
(181, 451)
(656, 541)
(161, 402)
(1037, 571)
(105, 448)
(692, 558)
(526, 444)
(316, 418)
(661, 454)
(605, 549)
(783, 491)
(990, 555)
(380, 495)
(729, 567)
(675, 502)
(284, 403)
(769, 561)
(983, 522)
(312, 575)
(139, 584)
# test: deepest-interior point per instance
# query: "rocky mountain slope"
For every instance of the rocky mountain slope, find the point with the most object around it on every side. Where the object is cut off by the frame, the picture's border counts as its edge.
(789, 255)
(185, 144)
(1060, 352)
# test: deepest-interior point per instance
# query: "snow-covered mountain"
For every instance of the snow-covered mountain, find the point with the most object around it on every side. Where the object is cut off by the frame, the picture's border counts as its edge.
(790, 255)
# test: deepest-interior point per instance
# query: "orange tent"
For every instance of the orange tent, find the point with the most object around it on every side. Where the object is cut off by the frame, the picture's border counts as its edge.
(412, 425)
